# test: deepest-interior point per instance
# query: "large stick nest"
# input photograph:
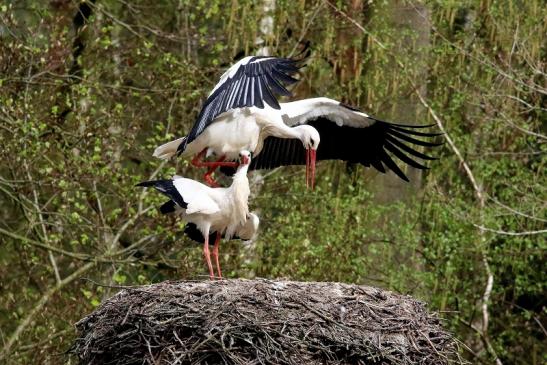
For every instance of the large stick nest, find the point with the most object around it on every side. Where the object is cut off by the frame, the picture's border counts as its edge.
(262, 322)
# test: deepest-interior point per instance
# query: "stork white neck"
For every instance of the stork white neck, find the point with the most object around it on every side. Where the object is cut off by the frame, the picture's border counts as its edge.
(274, 123)
(308, 135)
(239, 192)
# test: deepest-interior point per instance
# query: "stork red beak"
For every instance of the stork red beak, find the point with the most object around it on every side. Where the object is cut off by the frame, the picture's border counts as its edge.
(244, 160)
(310, 167)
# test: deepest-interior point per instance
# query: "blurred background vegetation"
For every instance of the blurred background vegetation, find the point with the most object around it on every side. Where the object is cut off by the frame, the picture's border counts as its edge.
(88, 89)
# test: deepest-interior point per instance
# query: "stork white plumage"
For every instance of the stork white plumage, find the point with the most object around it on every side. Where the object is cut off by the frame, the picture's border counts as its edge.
(220, 210)
(291, 135)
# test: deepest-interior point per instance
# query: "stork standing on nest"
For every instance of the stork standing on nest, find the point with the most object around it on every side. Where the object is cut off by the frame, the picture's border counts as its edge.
(220, 210)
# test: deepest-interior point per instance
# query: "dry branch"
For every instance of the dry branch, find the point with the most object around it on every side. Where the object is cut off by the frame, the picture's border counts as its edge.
(262, 322)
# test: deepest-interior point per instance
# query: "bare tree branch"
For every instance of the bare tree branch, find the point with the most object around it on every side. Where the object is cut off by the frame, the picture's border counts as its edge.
(39, 305)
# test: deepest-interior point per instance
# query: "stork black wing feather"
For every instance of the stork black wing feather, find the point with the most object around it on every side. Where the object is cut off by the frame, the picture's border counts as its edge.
(395, 133)
(403, 157)
(414, 133)
(368, 146)
(377, 164)
(252, 84)
(407, 149)
(385, 158)
(269, 98)
(276, 86)
(404, 125)
(287, 79)
(257, 93)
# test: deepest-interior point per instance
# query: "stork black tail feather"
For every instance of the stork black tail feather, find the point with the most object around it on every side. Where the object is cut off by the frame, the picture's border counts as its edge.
(153, 183)
(167, 188)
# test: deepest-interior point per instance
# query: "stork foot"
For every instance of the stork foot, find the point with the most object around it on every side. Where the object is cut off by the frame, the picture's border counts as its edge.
(210, 181)
(198, 162)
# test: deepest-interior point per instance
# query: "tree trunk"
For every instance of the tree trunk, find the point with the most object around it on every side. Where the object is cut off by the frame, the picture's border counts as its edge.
(411, 25)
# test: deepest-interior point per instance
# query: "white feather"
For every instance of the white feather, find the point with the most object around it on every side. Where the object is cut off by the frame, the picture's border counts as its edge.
(196, 195)
(224, 210)
(248, 230)
(167, 150)
(306, 110)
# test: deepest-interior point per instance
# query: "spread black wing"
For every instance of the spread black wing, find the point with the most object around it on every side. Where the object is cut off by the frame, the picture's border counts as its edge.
(377, 145)
(252, 84)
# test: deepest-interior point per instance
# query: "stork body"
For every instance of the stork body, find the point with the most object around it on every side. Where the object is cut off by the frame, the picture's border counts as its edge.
(220, 210)
(236, 130)
(223, 122)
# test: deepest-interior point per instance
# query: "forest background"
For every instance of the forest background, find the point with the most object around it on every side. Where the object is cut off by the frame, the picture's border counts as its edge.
(88, 89)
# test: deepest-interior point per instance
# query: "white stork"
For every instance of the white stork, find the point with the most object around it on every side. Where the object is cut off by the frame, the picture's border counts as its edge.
(221, 210)
(228, 121)
(291, 135)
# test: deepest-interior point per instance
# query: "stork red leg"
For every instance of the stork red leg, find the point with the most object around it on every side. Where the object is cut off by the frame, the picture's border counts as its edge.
(207, 255)
(213, 165)
(215, 254)
(198, 161)
(209, 180)
(207, 177)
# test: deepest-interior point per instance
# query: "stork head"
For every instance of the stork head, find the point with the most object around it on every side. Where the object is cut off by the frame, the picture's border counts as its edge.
(309, 136)
(310, 139)
(244, 157)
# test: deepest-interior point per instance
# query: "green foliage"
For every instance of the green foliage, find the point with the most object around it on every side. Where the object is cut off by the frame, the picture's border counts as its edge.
(77, 135)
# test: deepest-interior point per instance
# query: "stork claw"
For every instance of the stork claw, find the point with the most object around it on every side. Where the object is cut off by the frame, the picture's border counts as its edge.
(212, 165)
